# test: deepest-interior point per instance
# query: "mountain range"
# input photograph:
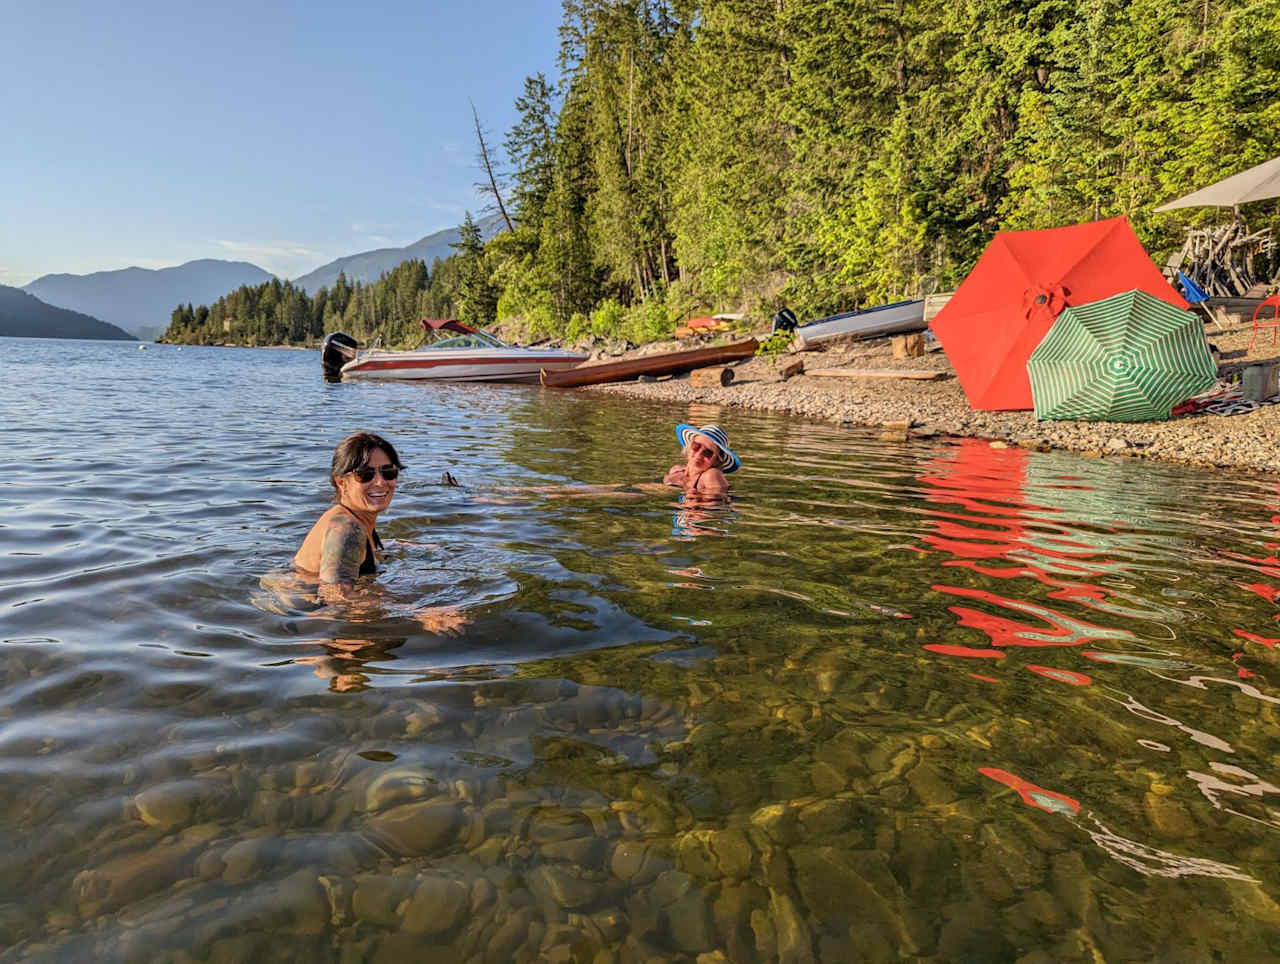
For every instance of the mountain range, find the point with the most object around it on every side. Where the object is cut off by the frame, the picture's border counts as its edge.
(141, 300)
(26, 316)
(369, 266)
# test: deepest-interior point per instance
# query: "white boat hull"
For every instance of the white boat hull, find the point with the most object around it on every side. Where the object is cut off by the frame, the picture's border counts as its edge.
(871, 323)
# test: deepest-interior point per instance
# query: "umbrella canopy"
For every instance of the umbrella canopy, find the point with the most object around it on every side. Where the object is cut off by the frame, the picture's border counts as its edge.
(1127, 358)
(1020, 285)
(1256, 184)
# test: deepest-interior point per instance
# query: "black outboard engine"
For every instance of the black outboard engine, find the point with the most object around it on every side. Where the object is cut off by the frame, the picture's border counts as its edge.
(785, 321)
(336, 350)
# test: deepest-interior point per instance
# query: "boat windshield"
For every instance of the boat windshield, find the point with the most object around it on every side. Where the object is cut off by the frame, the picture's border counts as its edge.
(475, 340)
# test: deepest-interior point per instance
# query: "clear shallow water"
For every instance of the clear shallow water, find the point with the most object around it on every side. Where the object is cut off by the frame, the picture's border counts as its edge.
(930, 700)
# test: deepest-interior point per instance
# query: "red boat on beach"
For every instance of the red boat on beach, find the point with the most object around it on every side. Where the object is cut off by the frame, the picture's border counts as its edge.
(670, 363)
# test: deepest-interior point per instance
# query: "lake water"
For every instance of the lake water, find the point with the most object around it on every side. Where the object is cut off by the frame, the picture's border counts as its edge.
(930, 700)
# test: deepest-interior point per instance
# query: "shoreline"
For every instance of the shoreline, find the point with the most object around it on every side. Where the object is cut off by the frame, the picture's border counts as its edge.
(905, 409)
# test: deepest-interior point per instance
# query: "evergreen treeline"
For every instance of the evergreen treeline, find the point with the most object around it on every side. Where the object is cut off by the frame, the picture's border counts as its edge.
(277, 313)
(830, 153)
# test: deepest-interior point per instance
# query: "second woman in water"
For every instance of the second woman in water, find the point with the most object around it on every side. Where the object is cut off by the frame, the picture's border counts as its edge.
(707, 459)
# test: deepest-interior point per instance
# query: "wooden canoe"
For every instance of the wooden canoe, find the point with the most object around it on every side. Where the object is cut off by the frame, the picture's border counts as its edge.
(671, 363)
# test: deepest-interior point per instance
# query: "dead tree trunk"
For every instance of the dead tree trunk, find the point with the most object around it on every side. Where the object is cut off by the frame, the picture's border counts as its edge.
(491, 188)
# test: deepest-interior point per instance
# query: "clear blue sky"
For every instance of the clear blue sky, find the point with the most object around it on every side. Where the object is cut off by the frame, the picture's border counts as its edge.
(153, 132)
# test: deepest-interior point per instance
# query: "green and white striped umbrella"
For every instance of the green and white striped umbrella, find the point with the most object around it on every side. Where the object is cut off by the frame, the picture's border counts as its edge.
(1127, 358)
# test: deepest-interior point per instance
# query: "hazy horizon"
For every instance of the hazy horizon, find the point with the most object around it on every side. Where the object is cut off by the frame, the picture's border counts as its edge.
(149, 137)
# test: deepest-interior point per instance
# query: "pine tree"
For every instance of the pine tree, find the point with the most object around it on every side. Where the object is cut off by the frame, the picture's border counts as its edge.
(477, 299)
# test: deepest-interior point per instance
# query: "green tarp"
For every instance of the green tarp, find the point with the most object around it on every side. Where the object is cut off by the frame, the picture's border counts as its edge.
(1127, 358)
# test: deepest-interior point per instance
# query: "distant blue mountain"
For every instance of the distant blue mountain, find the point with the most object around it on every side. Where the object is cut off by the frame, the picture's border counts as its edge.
(26, 316)
(369, 266)
(142, 299)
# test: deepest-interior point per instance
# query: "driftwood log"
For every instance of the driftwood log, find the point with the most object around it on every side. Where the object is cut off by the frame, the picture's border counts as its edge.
(791, 368)
(714, 377)
(1227, 261)
(874, 373)
(908, 346)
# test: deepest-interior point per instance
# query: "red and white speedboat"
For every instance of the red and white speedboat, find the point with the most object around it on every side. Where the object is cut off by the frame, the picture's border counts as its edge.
(471, 356)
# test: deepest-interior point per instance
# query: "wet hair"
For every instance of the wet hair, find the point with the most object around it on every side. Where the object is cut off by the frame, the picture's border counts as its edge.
(353, 453)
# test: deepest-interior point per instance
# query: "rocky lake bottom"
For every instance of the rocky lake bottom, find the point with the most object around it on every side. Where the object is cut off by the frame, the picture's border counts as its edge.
(922, 699)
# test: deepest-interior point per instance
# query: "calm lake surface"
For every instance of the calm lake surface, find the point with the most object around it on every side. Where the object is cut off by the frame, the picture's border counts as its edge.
(930, 700)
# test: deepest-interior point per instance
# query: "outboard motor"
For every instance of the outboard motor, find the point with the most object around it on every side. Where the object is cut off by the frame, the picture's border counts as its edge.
(785, 321)
(336, 350)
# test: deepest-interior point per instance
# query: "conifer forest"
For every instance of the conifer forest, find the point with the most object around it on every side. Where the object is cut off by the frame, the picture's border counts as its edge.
(735, 155)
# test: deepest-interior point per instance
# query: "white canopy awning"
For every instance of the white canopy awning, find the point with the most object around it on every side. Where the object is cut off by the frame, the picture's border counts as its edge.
(1256, 184)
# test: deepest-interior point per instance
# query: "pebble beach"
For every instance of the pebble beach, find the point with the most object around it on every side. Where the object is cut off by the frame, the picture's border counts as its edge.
(904, 408)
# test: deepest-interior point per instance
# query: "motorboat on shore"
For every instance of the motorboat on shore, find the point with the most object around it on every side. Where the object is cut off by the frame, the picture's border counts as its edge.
(470, 356)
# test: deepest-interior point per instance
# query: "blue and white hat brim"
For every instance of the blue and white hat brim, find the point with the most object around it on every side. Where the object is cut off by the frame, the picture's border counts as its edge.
(714, 434)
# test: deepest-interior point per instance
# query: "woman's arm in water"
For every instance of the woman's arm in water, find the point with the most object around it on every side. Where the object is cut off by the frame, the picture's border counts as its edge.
(341, 553)
(675, 476)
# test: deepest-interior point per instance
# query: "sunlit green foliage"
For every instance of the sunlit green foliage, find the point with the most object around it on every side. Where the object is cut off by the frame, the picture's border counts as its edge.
(835, 153)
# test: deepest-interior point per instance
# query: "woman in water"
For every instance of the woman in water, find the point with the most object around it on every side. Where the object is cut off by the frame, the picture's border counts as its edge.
(707, 460)
(343, 543)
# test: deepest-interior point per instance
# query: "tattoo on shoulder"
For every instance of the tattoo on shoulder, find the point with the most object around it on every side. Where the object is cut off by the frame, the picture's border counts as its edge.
(342, 551)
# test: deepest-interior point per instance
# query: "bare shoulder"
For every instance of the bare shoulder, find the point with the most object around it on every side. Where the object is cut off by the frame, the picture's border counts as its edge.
(342, 549)
(712, 480)
(307, 558)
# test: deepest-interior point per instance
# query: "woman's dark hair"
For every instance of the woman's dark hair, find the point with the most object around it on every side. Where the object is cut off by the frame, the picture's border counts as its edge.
(353, 453)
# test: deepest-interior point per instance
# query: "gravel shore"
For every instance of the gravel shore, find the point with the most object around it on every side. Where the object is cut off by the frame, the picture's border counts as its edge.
(928, 408)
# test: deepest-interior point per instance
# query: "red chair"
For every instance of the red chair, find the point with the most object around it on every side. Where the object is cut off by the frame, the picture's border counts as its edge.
(1274, 324)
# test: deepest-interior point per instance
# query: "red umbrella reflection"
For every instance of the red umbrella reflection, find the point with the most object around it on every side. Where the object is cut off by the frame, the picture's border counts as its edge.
(1035, 796)
(1062, 675)
(986, 486)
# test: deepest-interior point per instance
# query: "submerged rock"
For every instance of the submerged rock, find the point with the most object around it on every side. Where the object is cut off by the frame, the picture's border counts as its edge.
(928, 785)
(690, 924)
(716, 853)
(169, 805)
(377, 898)
(399, 786)
(1169, 818)
(128, 878)
(565, 888)
(436, 906)
(777, 821)
(794, 943)
(418, 829)
(636, 862)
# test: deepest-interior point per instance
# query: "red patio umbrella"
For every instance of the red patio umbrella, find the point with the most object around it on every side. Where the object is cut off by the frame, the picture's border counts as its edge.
(1020, 285)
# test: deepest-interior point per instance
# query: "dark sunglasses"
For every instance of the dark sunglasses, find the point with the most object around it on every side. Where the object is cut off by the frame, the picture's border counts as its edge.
(365, 473)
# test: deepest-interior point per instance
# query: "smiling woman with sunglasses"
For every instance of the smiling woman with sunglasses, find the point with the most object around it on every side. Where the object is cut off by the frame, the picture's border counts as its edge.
(343, 544)
(707, 460)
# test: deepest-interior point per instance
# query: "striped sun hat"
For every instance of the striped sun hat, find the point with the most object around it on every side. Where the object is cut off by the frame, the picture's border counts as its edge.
(713, 433)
